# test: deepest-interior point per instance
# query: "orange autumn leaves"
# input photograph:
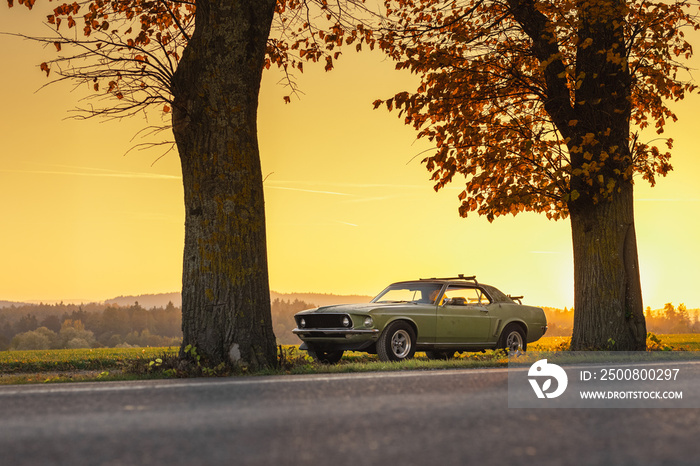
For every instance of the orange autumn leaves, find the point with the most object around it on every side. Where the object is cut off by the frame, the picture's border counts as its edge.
(130, 46)
(521, 97)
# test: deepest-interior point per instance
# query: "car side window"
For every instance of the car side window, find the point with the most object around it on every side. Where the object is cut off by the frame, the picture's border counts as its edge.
(464, 296)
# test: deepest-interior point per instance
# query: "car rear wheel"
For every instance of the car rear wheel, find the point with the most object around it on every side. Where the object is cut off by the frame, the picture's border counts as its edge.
(397, 342)
(513, 338)
(325, 357)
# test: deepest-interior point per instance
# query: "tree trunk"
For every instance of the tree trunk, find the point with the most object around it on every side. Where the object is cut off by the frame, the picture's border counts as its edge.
(225, 291)
(608, 311)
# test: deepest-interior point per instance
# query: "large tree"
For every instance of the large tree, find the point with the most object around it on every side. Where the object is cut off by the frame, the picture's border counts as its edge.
(539, 106)
(225, 289)
(202, 64)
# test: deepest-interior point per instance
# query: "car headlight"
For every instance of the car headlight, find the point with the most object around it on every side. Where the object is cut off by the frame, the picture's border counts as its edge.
(346, 321)
(302, 323)
(368, 321)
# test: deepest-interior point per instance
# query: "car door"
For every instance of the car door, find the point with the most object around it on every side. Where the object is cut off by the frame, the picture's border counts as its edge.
(463, 316)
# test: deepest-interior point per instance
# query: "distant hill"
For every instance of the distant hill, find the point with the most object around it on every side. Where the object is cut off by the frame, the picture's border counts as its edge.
(321, 299)
(11, 303)
(148, 301)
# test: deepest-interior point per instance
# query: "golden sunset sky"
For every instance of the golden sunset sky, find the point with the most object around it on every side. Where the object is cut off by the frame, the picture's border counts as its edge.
(349, 206)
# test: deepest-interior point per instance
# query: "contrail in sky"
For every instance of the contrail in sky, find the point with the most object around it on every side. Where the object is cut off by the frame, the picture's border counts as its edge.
(98, 173)
(309, 191)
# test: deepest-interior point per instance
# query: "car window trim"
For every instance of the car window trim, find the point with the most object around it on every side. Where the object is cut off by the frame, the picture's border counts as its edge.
(446, 286)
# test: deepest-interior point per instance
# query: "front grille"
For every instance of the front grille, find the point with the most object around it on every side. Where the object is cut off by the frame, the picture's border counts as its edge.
(322, 320)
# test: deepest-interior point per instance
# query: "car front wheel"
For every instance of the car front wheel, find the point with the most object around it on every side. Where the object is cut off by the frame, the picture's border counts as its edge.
(398, 342)
(513, 338)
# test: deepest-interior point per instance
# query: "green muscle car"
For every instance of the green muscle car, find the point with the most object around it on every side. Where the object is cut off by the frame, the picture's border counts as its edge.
(435, 315)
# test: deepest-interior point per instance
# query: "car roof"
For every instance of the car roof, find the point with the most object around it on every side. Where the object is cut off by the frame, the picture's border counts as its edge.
(497, 296)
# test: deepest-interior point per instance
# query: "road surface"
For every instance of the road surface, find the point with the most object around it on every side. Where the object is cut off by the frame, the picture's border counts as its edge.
(457, 417)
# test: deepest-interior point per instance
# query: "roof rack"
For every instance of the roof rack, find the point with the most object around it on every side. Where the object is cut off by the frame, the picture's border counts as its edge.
(461, 276)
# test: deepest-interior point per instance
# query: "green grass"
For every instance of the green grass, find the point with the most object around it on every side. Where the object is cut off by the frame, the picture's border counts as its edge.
(139, 363)
(297, 362)
(549, 343)
(685, 341)
(97, 359)
(677, 342)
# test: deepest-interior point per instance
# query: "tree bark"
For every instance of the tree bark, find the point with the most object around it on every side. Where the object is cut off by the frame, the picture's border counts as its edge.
(225, 291)
(608, 311)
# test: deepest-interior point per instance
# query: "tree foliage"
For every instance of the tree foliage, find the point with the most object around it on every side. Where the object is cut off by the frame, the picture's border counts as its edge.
(524, 98)
(129, 49)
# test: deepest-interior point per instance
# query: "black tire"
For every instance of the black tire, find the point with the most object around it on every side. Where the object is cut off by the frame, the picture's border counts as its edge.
(325, 357)
(397, 342)
(440, 355)
(512, 338)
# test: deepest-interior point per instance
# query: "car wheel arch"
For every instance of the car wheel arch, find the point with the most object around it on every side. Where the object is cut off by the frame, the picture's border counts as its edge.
(517, 322)
(403, 319)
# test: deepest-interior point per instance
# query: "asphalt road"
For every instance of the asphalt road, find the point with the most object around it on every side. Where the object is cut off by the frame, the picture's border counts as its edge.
(405, 418)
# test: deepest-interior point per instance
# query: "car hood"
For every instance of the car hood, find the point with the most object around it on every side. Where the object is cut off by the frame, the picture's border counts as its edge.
(345, 308)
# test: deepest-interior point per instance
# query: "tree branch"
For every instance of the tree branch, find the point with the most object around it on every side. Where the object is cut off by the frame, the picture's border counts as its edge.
(545, 47)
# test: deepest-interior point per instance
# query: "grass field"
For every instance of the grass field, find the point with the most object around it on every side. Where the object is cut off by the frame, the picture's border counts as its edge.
(675, 342)
(137, 363)
(687, 341)
(76, 359)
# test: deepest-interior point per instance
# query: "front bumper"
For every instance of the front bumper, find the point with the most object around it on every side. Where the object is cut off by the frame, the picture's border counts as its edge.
(335, 339)
(333, 332)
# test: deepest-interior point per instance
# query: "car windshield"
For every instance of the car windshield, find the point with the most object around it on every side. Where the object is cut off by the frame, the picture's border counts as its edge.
(410, 293)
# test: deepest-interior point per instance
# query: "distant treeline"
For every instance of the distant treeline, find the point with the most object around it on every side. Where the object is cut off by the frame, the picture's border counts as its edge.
(670, 319)
(55, 326)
